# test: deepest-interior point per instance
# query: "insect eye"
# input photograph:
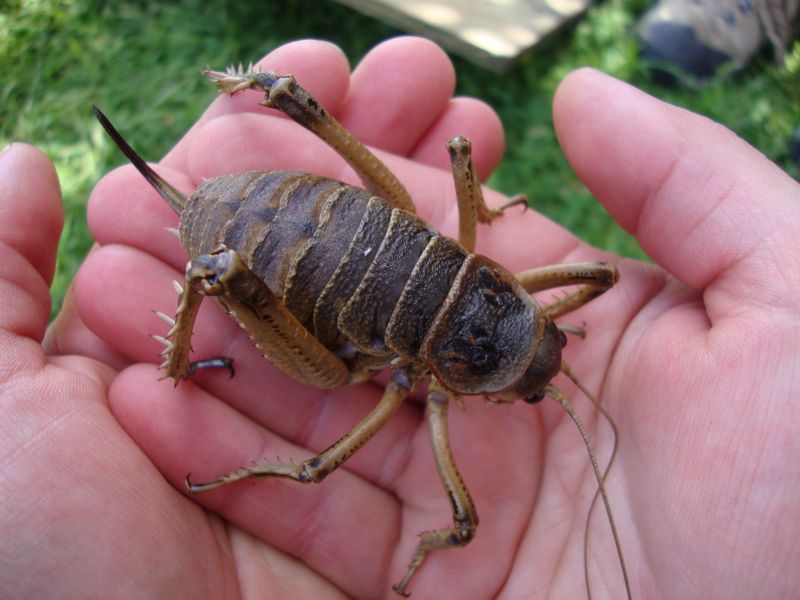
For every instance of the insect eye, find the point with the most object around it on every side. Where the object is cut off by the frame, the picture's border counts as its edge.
(562, 338)
(534, 398)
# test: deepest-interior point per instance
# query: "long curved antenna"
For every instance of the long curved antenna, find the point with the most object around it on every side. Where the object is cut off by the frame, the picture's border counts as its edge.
(171, 196)
(556, 395)
(565, 368)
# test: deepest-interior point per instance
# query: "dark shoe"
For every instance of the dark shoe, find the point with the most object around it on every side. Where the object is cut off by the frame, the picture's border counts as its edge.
(700, 37)
(794, 146)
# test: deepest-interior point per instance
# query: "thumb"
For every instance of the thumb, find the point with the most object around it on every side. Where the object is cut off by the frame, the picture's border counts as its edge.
(31, 217)
(705, 205)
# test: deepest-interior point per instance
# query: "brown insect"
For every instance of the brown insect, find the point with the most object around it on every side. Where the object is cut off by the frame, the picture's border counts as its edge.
(334, 282)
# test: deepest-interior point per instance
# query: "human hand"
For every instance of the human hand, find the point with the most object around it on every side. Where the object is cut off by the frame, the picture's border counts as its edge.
(703, 378)
(356, 531)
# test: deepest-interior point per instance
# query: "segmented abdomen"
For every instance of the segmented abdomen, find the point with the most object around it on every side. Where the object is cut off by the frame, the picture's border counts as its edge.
(364, 278)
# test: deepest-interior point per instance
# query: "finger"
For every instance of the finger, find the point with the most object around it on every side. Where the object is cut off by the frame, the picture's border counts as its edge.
(473, 119)
(124, 209)
(411, 80)
(69, 335)
(270, 570)
(397, 91)
(31, 216)
(706, 206)
(240, 143)
(321, 67)
(196, 433)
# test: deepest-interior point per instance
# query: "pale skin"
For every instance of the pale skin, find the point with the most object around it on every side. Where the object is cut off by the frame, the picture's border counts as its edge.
(696, 358)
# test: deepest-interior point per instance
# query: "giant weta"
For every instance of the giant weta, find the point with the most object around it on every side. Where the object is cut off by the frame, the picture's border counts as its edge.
(334, 283)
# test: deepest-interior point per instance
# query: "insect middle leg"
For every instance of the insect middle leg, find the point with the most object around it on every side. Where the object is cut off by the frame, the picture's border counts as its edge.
(285, 94)
(317, 468)
(465, 517)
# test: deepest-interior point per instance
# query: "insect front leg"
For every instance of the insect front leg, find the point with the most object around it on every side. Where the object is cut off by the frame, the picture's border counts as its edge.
(471, 205)
(465, 517)
(593, 277)
(285, 94)
(317, 468)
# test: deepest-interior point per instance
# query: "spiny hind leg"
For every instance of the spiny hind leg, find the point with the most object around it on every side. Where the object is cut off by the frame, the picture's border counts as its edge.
(272, 328)
(178, 340)
(471, 205)
(285, 94)
(317, 468)
(250, 302)
(465, 517)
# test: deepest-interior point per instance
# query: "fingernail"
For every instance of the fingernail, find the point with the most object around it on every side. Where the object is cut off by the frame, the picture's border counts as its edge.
(4, 150)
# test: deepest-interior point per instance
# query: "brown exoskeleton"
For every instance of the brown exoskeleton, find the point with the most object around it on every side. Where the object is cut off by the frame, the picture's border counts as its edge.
(334, 282)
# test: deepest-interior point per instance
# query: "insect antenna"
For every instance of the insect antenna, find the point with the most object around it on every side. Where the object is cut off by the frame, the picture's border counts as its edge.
(173, 197)
(556, 395)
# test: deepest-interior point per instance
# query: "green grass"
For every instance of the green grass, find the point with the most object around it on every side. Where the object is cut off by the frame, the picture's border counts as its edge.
(137, 60)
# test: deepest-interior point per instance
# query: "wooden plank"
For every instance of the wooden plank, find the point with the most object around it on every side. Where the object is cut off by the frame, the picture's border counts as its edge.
(493, 33)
